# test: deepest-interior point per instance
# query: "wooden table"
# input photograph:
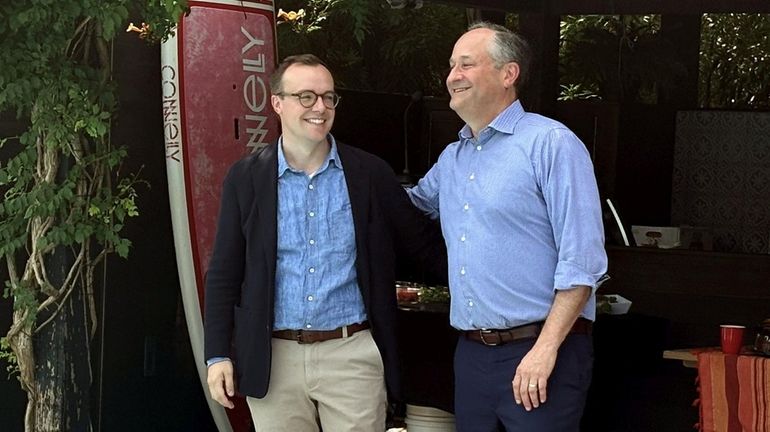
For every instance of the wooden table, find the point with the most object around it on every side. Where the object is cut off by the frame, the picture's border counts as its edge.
(688, 358)
(731, 389)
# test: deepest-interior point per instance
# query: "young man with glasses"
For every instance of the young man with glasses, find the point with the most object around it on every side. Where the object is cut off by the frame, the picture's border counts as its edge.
(300, 293)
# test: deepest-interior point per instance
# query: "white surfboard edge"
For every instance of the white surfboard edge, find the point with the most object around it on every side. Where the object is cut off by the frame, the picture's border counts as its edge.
(174, 139)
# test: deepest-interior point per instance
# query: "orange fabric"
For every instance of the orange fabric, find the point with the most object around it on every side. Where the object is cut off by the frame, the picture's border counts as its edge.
(706, 393)
(734, 393)
(754, 393)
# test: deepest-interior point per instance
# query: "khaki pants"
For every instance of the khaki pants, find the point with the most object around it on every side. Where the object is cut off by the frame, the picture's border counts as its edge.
(337, 384)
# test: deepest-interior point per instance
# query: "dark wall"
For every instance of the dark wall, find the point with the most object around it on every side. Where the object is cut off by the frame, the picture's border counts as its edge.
(645, 163)
(381, 123)
(694, 291)
(632, 147)
(374, 122)
(145, 367)
(149, 379)
(439, 128)
(596, 124)
(12, 399)
(680, 298)
(633, 388)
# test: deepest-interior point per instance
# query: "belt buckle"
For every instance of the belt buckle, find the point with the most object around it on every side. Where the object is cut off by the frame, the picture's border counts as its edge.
(482, 332)
(299, 337)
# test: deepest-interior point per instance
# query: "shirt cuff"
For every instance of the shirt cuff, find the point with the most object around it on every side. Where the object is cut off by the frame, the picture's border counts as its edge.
(213, 360)
(569, 275)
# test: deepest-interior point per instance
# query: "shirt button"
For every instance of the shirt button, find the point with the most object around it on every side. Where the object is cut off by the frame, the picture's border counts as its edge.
(470, 303)
(309, 298)
(312, 241)
(308, 326)
(478, 148)
(311, 214)
(462, 270)
(462, 238)
(472, 176)
(466, 207)
(312, 270)
(311, 187)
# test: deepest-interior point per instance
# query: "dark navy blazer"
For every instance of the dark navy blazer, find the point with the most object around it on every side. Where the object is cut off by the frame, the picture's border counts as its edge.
(240, 281)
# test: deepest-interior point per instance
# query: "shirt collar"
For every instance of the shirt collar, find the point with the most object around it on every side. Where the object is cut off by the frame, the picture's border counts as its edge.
(504, 122)
(333, 158)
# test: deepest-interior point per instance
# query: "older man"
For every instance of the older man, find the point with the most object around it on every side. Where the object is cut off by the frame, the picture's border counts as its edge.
(520, 213)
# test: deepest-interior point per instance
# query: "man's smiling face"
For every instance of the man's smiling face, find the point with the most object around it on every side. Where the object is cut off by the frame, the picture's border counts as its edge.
(476, 87)
(300, 124)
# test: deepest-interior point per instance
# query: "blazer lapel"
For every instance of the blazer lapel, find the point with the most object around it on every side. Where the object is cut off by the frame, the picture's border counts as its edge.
(357, 179)
(264, 177)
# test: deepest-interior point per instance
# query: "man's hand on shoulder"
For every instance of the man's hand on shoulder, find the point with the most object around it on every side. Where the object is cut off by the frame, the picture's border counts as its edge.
(221, 384)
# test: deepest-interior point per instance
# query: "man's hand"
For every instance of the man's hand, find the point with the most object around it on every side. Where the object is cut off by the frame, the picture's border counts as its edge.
(530, 384)
(220, 381)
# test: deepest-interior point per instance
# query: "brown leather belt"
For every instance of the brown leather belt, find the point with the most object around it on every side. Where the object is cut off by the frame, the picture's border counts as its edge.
(312, 336)
(529, 331)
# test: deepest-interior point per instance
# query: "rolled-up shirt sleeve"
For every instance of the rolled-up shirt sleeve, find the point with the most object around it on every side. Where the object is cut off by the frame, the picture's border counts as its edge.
(572, 199)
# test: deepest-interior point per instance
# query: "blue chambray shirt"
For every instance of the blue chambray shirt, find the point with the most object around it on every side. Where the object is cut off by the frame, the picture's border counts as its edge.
(521, 216)
(316, 286)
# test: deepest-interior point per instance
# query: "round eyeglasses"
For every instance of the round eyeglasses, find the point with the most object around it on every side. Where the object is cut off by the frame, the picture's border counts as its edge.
(308, 98)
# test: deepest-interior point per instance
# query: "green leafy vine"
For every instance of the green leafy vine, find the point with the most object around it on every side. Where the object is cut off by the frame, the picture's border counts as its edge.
(61, 182)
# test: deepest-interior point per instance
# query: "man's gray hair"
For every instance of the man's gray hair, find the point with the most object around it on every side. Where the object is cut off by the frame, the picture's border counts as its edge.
(507, 47)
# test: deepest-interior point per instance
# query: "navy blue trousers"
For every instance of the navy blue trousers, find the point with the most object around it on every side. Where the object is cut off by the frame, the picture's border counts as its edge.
(484, 397)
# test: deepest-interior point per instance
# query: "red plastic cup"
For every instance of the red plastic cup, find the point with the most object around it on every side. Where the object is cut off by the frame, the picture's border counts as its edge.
(731, 338)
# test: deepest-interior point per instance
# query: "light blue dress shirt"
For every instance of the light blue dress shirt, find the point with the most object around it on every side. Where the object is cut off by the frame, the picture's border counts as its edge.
(316, 286)
(520, 212)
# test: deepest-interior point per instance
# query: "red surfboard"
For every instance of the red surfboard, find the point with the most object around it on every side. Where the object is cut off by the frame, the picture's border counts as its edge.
(216, 109)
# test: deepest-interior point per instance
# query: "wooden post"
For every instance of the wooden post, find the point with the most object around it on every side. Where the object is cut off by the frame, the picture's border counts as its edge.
(541, 30)
(683, 31)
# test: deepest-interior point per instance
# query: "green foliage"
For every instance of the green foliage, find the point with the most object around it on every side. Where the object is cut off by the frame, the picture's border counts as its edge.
(309, 17)
(7, 355)
(623, 58)
(735, 61)
(434, 294)
(360, 13)
(619, 57)
(604, 304)
(577, 92)
(161, 17)
(24, 298)
(370, 46)
(61, 183)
